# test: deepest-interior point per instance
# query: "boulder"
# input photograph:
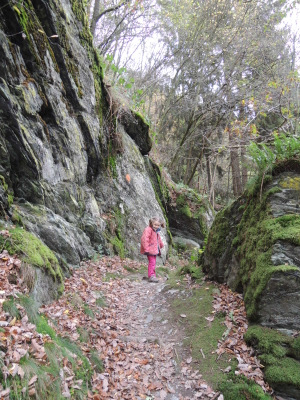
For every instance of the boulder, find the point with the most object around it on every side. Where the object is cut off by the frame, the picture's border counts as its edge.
(254, 247)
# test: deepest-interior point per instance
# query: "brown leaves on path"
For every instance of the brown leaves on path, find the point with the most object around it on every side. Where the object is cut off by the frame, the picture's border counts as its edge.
(232, 305)
(110, 315)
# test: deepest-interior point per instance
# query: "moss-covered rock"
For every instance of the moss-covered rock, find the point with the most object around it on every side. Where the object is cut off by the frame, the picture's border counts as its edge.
(256, 252)
(279, 354)
(34, 253)
(254, 247)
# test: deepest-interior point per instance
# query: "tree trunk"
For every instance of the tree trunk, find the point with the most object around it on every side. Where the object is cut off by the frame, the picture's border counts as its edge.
(244, 165)
(208, 173)
(96, 12)
(235, 167)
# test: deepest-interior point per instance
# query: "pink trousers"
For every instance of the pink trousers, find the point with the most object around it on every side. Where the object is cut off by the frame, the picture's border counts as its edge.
(151, 265)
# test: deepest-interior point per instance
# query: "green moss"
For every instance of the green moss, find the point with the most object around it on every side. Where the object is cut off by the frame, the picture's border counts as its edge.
(43, 327)
(291, 183)
(3, 183)
(32, 28)
(286, 371)
(117, 240)
(8, 194)
(32, 251)
(277, 351)
(295, 348)
(257, 232)
(113, 166)
(268, 340)
(216, 241)
(201, 336)
(72, 65)
(239, 387)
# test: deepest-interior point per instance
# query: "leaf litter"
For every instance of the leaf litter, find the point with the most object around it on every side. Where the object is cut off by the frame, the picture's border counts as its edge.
(138, 349)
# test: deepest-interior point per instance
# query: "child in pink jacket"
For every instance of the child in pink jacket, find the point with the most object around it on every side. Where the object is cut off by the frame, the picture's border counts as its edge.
(151, 244)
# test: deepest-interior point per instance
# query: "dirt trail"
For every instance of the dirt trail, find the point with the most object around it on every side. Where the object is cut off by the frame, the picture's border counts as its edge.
(148, 323)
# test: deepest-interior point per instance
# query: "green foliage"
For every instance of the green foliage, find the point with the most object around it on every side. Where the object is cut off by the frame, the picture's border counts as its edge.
(118, 240)
(118, 246)
(124, 83)
(88, 311)
(97, 362)
(10, 307)
(30, 307)
(282, 148)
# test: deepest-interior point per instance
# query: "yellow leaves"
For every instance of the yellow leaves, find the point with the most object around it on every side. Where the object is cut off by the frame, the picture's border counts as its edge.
(84, 281)
(273, 84)
(253, 129)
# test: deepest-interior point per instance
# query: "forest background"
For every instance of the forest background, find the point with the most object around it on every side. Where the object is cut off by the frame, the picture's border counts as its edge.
(217, 80)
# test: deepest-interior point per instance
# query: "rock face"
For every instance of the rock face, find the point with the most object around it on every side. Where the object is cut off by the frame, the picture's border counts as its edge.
(254, 247)
(77, 179)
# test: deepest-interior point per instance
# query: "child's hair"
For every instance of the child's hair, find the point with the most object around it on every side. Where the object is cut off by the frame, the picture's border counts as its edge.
(156, 219)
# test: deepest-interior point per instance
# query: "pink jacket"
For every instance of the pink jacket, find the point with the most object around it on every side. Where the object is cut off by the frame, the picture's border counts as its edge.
(151, 242)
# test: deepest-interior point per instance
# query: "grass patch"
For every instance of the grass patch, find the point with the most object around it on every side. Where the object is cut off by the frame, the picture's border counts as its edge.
(162, 271)
(202, 336)
(97, 362)
(100, 300)
(10, 307)
(84, 335)
(88, 311)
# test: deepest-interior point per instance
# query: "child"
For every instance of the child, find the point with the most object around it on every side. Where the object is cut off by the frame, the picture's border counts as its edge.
(151, 244)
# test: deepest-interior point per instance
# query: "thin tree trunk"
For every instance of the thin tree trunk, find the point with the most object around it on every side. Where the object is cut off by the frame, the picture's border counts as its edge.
(208, 173)
(244, 165)
(235, 167)
(96, 12)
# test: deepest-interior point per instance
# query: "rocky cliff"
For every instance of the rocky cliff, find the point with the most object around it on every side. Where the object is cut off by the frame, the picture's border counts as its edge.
(72, 162)
(254, 247)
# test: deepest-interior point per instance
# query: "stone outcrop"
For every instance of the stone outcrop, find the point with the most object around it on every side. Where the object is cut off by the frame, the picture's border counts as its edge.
(70, 172)
(254, 247)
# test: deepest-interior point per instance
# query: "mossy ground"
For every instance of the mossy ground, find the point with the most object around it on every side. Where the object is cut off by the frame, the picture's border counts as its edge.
(279, 354)
(202, 336)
